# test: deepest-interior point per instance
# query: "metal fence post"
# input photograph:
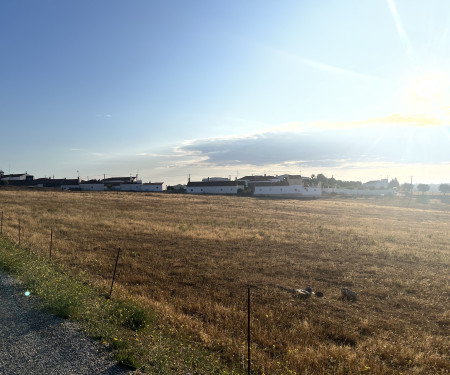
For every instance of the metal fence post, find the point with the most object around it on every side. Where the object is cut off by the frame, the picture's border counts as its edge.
(114, 274)
(248, 332)
(51, 242)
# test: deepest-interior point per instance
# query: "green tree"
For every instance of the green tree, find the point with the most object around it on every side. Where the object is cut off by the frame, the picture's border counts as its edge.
(423, 188)
(321, 178)
(444, 188)
(406, 187)
(393, 183)
(332, 181)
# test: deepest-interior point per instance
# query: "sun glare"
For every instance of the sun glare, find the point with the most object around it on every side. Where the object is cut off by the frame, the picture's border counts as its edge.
(427, 93)
(429, 85)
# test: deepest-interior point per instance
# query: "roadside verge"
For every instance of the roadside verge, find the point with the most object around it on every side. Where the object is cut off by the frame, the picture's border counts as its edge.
(131, 333)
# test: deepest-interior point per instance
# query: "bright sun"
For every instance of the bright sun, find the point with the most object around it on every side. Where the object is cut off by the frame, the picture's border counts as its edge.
(427, 92)
(429, 85)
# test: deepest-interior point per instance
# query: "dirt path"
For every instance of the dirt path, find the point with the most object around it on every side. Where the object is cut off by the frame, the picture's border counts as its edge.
(35, 342)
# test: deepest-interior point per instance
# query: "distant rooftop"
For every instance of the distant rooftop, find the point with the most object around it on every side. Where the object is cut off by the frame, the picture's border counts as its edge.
(215, 183)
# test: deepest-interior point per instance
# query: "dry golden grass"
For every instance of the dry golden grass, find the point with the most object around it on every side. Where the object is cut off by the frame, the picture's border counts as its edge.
(192, 258)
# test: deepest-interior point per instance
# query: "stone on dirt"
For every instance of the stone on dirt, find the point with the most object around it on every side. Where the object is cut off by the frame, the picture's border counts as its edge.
(348, 294)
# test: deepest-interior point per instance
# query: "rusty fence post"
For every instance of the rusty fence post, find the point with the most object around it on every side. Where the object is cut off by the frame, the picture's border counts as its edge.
(114, 274)
(51, 242)
(248, 332)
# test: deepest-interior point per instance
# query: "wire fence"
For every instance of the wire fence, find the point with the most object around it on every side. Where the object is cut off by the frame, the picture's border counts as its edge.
(14, 229)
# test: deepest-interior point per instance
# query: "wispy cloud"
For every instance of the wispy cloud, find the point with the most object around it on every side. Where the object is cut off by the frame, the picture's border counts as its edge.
(322, 66)
(393, 120)
(401, 31)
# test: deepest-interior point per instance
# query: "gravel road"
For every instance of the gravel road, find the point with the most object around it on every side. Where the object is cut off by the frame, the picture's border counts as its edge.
(35, 342)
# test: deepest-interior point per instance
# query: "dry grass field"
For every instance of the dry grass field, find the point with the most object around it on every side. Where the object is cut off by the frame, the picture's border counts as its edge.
(191, 258)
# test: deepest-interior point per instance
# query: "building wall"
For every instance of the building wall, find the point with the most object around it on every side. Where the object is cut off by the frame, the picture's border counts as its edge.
(68, 187)
(288, 190)
(208, 179)
(142, 187)
(255, 181)
(213, 189)
(380, 184)
(130, 187)
(159, 187)
(92, 187)
(22, 177)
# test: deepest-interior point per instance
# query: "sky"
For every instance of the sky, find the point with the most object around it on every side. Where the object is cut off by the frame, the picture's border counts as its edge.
(357, 90)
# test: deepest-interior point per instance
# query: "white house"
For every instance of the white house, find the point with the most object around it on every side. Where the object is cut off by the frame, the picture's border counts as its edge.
(119, 180)
(139, 186)
(252, 180)
(214, 187)
(377, 184)
(17, 177)
(207, 179)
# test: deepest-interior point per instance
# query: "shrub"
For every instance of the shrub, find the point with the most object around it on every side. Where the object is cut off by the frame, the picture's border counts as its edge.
(129, 315)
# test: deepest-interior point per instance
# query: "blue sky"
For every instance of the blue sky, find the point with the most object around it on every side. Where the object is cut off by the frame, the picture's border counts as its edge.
(358, 90)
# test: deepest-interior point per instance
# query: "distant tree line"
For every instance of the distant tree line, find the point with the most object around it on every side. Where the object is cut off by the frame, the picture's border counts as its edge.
(406, 187)
(444, 188)
(332, 182)
(423, 188)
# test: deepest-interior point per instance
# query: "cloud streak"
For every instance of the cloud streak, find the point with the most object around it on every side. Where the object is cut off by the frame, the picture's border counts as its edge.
(401, 31)
(391, 120)
(321, 66)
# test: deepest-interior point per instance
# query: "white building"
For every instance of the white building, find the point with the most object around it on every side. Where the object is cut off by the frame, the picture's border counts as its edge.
(208, 179)
(154, 186)
(284, 190)
(252, 180)
(294, 179)
(139, 186)
(377, 184)
(215, 187)
(17, 177)
(119, 180)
